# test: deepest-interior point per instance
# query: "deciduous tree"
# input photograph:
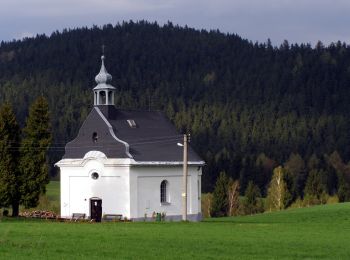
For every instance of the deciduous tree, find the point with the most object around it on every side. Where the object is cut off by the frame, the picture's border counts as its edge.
(233, 197)
(277, 192)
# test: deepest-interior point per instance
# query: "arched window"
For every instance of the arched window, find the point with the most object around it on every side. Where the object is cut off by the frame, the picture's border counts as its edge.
(164, 192)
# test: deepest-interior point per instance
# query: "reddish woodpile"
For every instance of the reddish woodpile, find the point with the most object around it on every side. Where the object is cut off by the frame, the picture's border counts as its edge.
(38, 214)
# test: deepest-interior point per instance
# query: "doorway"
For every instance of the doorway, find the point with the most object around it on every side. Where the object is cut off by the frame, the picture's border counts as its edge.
(96, 209)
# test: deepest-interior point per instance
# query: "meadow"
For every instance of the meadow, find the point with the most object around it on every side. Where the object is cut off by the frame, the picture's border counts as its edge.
(315, 232)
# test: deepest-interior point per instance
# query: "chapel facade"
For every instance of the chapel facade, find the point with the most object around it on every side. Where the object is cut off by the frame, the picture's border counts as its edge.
(128, 163)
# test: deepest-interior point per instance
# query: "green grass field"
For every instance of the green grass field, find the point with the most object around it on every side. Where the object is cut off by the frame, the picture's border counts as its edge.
(53, 191)
(317, 232)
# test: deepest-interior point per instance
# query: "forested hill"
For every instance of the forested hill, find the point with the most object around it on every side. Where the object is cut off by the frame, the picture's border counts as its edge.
(245, 104)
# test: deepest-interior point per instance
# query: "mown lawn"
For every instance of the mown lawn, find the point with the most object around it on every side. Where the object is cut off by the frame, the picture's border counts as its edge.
(317, 232)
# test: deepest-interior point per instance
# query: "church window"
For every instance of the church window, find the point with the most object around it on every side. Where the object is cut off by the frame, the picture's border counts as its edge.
(131, 123)
(94, 137)
(94, 175)
(164, 198)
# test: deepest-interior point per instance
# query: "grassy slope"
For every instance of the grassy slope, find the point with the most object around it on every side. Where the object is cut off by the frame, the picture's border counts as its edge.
(318, 232)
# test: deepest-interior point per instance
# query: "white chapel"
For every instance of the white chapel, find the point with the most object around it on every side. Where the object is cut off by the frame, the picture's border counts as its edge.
(128, 163)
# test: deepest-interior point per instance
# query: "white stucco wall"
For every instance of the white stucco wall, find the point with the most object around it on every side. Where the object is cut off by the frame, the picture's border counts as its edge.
(77, 187)
(126, 189)
(146, 182)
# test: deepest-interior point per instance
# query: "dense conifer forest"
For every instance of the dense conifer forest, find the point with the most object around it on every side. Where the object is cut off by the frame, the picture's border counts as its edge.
(248, 106)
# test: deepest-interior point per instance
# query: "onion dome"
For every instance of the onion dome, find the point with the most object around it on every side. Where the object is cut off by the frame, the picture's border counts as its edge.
(103, 92)
(103, 76)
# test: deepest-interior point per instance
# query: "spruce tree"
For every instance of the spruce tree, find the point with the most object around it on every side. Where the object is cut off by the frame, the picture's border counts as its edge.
(9, 154)
(343, 188)
(220, 197)
(315, 188)
(251, 202)
(295, 168)
(34, 147)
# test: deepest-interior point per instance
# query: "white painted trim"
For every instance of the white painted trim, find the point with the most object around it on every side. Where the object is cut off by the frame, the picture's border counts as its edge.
(112, 132)
(110, 162)
(160, 163)
(95, 154)
(165, 177)
(81, 162)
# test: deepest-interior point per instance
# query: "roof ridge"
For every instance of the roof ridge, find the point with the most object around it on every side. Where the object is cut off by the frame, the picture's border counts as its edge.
(110, 127)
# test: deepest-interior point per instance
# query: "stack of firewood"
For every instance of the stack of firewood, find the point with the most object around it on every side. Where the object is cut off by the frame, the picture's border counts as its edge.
(38, 214)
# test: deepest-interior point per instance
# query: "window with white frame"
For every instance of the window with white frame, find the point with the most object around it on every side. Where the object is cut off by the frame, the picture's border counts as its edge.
(164, 191)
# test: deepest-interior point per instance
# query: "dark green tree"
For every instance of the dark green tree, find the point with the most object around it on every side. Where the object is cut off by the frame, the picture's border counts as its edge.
(34, 147)
(315, 188)
(220, 201)
(251, 203)
(295, 168)
(9, 154)
(343, 188)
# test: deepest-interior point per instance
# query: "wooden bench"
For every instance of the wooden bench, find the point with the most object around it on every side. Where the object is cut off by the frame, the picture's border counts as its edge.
(112, 217)
(77, 216)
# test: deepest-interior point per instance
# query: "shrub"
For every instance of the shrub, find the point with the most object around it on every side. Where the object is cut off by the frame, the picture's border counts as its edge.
(219, 203)
(206, 204)
(5, 213)
(298, 203)
(332, 199)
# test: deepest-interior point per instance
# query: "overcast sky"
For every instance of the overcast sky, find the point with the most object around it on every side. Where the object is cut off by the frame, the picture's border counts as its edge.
(299, 21)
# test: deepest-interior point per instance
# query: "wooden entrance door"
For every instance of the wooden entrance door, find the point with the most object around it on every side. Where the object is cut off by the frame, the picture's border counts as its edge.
(96, 209)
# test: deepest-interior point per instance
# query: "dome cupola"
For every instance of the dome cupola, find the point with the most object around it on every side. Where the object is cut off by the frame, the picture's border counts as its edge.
(103, 76)
(103, 92)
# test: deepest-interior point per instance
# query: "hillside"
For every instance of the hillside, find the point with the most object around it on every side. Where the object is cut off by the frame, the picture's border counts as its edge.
(317, 232)
(248, 106)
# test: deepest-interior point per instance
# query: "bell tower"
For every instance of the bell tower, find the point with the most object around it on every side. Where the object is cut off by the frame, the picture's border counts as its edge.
(103, 92)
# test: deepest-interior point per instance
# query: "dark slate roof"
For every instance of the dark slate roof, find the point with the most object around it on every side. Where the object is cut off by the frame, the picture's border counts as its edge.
(153, 139)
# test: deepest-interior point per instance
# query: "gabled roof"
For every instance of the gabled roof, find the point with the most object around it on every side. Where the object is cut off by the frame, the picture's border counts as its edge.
(153, 139)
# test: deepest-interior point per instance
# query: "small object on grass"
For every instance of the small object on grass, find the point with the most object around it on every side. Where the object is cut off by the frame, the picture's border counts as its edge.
(112, 217)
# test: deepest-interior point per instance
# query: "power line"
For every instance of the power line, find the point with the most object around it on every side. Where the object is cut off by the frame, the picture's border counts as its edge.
(153, 138)
(108, 145)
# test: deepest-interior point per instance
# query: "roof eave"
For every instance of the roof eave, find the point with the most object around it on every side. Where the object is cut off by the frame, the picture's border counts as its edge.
(167, 163)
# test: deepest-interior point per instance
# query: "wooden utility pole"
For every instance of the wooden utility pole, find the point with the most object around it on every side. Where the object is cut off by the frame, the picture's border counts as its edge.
(184, 188)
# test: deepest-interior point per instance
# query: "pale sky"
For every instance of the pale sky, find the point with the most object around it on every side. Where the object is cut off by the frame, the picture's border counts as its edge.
(301, 21)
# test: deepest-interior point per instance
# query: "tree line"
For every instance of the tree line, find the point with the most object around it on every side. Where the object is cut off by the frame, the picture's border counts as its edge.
(23, 156)
(295, 183)
(248, 106)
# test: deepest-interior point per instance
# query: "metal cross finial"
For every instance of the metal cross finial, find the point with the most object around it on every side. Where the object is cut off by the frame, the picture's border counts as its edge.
(103, 49)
